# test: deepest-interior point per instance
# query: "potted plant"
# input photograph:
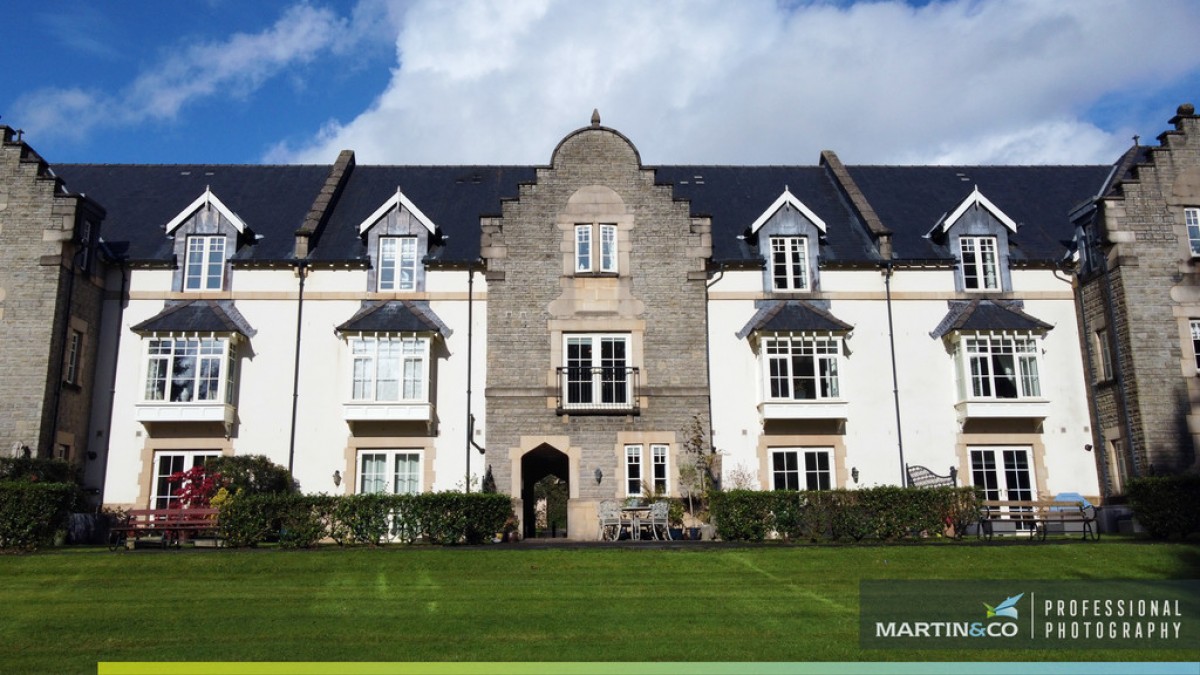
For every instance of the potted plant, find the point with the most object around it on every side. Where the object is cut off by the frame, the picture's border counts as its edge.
(696, 467)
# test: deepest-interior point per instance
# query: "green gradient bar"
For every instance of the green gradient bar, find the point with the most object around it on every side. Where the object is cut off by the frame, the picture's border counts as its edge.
(640, 668)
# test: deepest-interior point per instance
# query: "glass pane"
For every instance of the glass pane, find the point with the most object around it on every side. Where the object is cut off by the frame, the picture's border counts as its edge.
(372, 478)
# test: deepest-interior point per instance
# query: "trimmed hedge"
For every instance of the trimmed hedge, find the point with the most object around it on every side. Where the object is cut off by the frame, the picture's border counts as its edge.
(30, 513)
(1166, 505)
(882, 513)
(301, 521)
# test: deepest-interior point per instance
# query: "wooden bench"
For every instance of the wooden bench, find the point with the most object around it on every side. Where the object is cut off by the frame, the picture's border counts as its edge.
(1037, 517)
(170, 526)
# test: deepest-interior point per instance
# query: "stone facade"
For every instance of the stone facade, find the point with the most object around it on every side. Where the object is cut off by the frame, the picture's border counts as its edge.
(536, 299)
(1144, 291)
(51, 290)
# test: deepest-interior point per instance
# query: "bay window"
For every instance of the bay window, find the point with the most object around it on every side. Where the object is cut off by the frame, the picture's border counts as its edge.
(998, 366)
(196, 370)
(390, 368)
(800, 367)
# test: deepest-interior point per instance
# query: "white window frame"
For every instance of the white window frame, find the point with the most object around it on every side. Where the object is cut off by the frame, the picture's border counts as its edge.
(389, 368)
(1194, 325)
(794, 364)
(74, 355)
(598, 380)
(168, 377)
(804, 468)
(204, 268)
(979, 262)
(1104, 352)
(979, 355)
(396, 477)
(789, 264)
(587, 258)
(397, 269)
(1004, 473)
(181, 460)
(1191, 218)
(660, 469)
(634, 470)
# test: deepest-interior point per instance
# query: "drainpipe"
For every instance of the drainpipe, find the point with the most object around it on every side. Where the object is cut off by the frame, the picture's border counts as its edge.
(708, 358)
(470, 341)
(887, 286)
(302, 269)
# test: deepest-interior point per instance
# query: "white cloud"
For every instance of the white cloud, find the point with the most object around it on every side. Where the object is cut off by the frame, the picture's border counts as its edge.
(233, 67)
(752, 82)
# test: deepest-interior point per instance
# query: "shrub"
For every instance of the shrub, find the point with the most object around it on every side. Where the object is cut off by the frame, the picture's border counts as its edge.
(31, 512)
(1167, 505)
(252, 474)
(246, 520)
(37, 470)
(885, 513)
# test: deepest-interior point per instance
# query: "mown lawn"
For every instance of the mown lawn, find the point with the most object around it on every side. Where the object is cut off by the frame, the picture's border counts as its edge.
(64, 610)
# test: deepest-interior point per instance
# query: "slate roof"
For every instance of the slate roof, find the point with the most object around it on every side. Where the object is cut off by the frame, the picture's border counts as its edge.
(910, 200)
(197, 316)
(982, 314)
(453, 197)
(395, 316)
(274, 201)
(141, 198)
(735, 196)
(793, 316)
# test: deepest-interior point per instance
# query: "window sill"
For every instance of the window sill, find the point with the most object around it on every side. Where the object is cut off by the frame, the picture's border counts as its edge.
(1030, 408)
(597, 275)
(391, 411)
(159, 411)
(72, 386)
(812, 409)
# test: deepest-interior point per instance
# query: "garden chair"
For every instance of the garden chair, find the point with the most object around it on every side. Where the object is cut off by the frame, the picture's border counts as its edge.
(610, 517)
(657, 520)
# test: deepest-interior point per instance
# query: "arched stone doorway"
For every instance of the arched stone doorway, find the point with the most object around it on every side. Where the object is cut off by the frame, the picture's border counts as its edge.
(545, 473)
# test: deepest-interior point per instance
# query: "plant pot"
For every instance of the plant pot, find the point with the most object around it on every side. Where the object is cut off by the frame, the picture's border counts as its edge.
(693, 533)
(676, 533)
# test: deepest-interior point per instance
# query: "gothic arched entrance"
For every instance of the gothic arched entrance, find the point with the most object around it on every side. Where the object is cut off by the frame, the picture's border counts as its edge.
(545, 489)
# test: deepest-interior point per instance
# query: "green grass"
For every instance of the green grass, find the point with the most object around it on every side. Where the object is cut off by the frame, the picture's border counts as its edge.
(64, 610)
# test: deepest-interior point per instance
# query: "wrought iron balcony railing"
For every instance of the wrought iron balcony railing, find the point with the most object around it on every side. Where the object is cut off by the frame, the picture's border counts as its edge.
(597, 391)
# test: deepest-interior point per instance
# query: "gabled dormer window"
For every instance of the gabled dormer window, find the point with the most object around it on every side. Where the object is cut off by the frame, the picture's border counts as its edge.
(397, 235)
(789, 264)
(587, 258)
(787, 234)
(397, 263)
(979, 261)
(205, 265)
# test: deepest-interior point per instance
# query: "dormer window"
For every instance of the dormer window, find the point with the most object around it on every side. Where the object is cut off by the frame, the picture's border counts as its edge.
(979, 263)
(397, 263)
(586, 258)
(789, 264)
(999, 367)
(205, 265)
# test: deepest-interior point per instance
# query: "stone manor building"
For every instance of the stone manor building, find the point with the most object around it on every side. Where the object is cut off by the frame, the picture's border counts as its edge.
(1031, 330)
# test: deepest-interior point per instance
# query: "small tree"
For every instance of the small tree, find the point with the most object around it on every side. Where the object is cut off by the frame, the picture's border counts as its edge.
(697, 462)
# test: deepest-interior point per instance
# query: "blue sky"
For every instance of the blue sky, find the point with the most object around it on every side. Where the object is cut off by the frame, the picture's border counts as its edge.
(702, 81)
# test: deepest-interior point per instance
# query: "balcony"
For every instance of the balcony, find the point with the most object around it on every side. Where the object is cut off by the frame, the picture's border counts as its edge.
(387, 411)
(809, 409)
(598, 391)
(161, 411)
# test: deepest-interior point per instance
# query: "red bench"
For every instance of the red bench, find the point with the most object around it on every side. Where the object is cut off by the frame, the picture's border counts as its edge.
(169, 526)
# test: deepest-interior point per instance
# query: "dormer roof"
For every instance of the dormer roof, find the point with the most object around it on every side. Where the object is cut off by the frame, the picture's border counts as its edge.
(396, 201)
(790, 199)
(206, 199)
(976, 198)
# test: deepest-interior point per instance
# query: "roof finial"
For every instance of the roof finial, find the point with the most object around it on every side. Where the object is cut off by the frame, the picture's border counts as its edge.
(1137, 140)
(595, 117)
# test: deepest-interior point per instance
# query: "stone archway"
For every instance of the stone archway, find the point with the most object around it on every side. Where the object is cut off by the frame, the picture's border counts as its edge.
(542, 463)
